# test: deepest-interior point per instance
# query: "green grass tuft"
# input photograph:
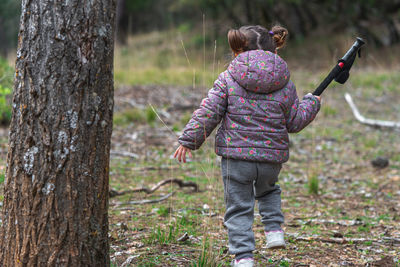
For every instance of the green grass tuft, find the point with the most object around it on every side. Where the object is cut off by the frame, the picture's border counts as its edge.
(207, 257)
(163, 211)
(151, 115)
(163, 236)
(313, 184)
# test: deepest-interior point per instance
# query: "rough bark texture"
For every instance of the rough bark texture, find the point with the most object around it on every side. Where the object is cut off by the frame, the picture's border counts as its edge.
(56, 186)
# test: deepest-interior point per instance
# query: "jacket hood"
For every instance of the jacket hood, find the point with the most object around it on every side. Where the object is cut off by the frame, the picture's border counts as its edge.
(259, 71)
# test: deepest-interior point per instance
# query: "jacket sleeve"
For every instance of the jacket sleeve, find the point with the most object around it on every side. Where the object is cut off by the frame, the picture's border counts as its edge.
(207, 116)
(300, 113)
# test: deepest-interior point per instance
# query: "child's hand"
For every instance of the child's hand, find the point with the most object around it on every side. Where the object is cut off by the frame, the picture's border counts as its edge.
(180, 153)
(316, 96)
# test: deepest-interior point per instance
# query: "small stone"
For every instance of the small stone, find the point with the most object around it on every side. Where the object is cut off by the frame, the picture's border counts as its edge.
(337, 235)
(380, 162)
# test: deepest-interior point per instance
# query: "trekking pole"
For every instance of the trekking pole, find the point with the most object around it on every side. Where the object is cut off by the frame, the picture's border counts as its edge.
(341, 71)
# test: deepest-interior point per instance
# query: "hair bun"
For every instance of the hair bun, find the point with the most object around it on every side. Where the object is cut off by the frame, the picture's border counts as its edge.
(279, 35)
(237, 40)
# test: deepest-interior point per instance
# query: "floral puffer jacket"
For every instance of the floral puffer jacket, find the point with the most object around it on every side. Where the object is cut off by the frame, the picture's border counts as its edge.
(258, 106)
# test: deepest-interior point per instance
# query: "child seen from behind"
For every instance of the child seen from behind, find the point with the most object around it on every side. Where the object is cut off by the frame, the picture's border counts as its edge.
(257, 105)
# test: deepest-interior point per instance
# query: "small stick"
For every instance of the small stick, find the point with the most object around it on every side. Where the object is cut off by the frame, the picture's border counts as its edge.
(179, 182)
(124, 154)
(342, 240)
(144, 201)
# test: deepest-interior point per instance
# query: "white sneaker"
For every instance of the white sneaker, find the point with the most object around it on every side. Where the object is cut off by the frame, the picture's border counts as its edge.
(275, 239)
(246, 262)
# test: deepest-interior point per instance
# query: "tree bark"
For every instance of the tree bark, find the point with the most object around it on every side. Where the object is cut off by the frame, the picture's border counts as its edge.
(56, 185)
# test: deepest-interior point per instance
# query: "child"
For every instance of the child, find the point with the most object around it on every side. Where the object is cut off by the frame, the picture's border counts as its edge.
(258, 106)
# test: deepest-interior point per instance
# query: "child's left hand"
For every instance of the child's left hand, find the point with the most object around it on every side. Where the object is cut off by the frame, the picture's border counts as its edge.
(180, 153)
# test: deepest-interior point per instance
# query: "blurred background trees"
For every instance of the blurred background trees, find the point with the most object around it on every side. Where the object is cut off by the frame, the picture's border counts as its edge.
(377, 21)
(9, 23)
(160, 28)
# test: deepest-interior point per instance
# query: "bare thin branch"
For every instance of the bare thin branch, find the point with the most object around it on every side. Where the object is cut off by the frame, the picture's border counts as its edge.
(144, 201)
(179, 182)
(343, 240)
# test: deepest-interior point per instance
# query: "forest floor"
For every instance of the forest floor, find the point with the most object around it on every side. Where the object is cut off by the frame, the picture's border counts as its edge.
(339, 209)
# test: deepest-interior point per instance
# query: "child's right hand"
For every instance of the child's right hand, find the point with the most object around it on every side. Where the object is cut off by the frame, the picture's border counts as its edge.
(180, 153)
(316, 96)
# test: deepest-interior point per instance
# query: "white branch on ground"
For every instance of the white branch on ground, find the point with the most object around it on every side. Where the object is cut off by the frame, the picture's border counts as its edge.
(372, 122)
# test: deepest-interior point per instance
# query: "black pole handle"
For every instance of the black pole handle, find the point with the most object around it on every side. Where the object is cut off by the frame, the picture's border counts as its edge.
(344, 64)
(334, 72)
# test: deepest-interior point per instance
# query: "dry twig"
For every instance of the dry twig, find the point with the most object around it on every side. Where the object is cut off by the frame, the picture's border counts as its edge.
(124, 154)
(144, 201)
(343, 240)
(179, 182)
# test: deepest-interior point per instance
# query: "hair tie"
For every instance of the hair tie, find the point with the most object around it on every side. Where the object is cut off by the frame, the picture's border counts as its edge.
(271, 33)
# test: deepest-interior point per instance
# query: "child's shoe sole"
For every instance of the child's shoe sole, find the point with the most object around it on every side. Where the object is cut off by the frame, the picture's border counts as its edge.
(276, 245)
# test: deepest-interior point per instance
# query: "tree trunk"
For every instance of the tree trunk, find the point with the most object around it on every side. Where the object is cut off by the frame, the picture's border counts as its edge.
(231, 14)
(394, 36)
(121, 27)
(3, 42)
(56, 185)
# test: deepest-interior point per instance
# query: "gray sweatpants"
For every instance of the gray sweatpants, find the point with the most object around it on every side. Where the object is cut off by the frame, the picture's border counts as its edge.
(245, 181)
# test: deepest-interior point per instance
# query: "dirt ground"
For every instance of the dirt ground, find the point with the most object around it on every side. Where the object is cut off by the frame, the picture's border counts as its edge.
(339, 209)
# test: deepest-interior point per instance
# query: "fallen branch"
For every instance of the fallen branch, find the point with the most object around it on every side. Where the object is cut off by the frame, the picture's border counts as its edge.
(367, 121)
(179, 182)
(129, 260)
(392, 239)
(144, 201)
(153, 168)
(342, 240)
(337, 222)
(124, 154)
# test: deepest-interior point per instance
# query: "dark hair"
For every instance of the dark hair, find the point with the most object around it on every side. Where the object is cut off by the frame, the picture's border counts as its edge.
(257, 37)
